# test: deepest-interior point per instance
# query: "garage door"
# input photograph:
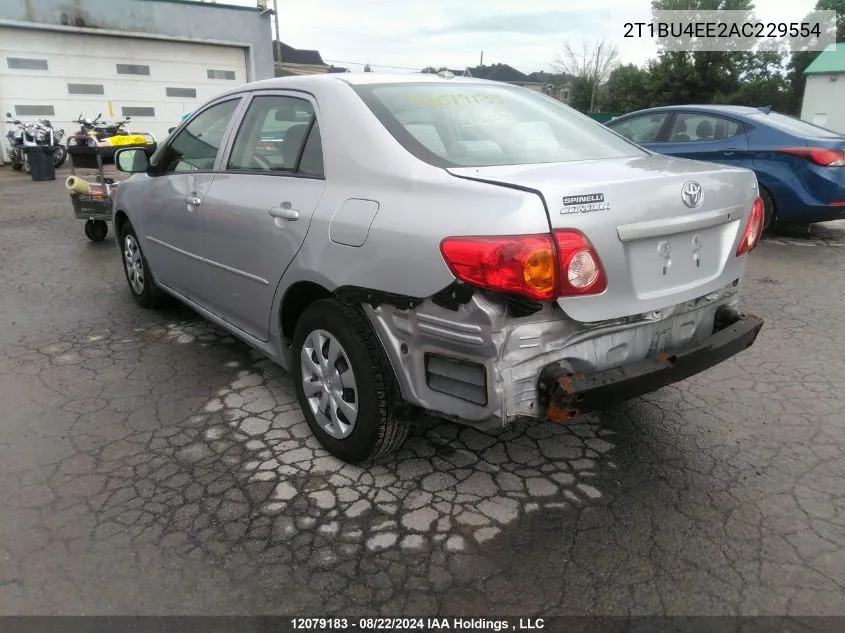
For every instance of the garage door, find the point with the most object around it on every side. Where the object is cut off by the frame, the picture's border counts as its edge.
(58, 75)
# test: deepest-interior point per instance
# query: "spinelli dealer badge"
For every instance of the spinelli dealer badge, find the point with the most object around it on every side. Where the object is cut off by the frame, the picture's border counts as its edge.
(584, 203)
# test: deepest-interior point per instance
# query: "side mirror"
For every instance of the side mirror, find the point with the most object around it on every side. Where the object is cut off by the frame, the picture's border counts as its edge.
(132, 160)
(170, 130)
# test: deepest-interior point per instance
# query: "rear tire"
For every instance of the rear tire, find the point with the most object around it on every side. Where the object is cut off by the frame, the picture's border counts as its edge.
(143, 287)
(340, 373)
(769, 209)
(59, 156)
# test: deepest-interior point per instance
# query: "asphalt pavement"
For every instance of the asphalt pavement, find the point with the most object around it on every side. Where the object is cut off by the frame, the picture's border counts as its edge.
(151, 464)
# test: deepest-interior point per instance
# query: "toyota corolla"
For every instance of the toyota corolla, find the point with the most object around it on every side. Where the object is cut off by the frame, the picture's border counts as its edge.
(469, 249)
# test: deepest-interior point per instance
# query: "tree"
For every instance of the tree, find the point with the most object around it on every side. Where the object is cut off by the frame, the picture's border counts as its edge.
(801, 59)
(368, 69)
(592, 63)
(696, 76)
(839, 7)
(773, 91)
(431, 70)
(624, 90)
(581, 94)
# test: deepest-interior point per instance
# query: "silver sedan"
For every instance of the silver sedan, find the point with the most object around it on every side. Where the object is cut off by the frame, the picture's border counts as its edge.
(428, 244)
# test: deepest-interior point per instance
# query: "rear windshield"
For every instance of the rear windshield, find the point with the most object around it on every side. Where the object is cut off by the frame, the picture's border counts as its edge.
(791, 125)
(480, 125)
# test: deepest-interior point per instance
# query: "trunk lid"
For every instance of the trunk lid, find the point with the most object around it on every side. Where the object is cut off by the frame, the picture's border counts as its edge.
(656, 250)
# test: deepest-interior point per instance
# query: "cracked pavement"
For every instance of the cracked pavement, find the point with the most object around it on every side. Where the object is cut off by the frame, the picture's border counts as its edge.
(151, 464)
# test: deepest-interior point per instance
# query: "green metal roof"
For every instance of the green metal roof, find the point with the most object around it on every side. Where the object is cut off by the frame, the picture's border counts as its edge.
(831, 60)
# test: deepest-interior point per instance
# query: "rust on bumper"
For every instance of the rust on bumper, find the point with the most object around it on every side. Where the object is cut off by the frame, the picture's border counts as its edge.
(567, 395)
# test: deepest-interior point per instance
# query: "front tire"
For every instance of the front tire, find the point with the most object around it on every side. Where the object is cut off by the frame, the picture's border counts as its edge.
(345, 386)
(143, 287)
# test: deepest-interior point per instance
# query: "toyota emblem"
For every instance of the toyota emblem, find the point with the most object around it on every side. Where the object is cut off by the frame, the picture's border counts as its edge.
(691, 194)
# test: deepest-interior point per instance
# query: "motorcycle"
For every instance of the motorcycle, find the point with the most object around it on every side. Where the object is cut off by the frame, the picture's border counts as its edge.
(98, 129)
(106, 137)
(56, 136)
(33, 134)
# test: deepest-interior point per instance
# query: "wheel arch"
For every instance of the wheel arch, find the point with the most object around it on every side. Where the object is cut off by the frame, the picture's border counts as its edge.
(295, 301)
(120, 220)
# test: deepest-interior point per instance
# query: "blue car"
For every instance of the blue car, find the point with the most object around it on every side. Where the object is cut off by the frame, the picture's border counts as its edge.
(800, 166)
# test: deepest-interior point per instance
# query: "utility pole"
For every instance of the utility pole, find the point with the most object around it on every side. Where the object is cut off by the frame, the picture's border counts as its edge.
(482, 59)
(278, 39)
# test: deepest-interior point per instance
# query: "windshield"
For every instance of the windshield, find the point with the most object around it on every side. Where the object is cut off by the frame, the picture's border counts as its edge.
(791, 125)
(480, 125)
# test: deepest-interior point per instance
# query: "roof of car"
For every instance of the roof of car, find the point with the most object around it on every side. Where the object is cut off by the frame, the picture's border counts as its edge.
(704, 107)
(305, 81)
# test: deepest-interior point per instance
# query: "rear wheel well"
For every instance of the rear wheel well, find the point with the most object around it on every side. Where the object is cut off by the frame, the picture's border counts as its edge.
(297, 299)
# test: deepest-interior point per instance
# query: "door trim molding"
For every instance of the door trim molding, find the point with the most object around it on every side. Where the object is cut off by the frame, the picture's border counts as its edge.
(155, 240)
(234, 271)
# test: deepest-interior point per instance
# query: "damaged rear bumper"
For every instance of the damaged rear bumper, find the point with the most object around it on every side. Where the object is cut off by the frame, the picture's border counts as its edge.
(566, 395)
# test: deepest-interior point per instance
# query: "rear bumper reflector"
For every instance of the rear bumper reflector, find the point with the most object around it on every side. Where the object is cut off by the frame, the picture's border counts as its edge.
(566, 395)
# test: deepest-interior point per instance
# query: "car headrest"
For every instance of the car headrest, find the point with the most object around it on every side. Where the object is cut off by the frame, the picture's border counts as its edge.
(704, 129)
(286, 112)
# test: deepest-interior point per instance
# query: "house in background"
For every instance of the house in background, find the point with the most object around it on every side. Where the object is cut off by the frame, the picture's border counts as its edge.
(298, 61)
(555, 86)
(824, 92)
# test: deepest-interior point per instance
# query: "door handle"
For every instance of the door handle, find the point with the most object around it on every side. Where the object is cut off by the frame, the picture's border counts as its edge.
(731, 150)
(192, 201)
(284, 212)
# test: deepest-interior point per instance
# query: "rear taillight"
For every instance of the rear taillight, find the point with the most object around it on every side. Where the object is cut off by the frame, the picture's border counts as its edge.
(523, 265)
(819, 155)
(753, 230)
(540, 267)
(581, 272)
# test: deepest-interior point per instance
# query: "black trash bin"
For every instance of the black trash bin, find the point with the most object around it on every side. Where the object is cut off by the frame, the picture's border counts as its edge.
(41, 162)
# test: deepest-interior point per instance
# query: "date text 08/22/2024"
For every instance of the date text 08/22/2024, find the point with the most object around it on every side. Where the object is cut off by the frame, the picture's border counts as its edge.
(467, 625)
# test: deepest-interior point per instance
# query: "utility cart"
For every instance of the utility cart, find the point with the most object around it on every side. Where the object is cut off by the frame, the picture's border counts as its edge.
(92, 193)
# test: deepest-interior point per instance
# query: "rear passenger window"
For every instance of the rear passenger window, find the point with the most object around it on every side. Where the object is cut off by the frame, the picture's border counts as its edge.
(691, 127)
(274, 137)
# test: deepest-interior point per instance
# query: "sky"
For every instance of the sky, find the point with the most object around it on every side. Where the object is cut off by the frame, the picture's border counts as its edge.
(402, 35)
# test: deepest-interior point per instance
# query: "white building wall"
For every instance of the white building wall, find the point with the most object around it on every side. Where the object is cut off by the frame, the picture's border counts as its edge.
(824, 101)
(92, 60)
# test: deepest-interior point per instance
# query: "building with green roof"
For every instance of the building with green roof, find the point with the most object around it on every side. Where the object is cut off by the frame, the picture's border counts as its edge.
(824, 91)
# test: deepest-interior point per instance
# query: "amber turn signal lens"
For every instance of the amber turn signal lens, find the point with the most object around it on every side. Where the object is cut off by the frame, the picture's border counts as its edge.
(539, 272)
